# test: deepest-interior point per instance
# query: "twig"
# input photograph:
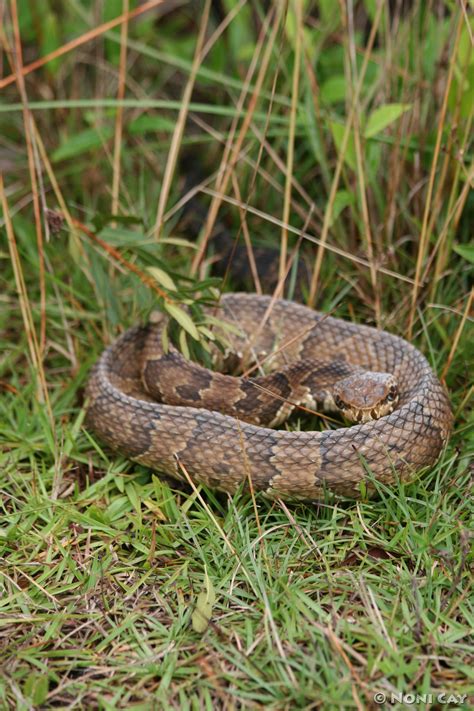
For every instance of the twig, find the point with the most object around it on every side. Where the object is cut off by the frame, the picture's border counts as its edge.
(424, 234)
(115, 254)
(29, 138)
(180, 123)
(119, 114)
(458, 335)
(298, 16)
(78, 41)
(340, 161)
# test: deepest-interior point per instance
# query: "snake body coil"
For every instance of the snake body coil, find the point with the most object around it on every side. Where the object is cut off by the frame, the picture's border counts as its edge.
(222, 451)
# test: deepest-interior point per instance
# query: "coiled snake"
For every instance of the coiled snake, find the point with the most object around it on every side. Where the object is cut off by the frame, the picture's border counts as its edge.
(318, 361)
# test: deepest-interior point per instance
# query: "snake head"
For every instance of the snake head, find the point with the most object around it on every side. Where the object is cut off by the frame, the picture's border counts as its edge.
(366, 396)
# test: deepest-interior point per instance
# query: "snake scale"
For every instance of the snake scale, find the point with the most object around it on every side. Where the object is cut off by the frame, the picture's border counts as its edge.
(156, 408)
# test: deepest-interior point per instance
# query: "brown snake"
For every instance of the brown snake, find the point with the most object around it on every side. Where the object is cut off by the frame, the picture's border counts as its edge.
(224, 450)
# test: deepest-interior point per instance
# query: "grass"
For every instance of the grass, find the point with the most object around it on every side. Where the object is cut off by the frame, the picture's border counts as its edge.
(120, 589)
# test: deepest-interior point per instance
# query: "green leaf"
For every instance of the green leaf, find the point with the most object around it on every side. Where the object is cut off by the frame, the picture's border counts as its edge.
(342, 200)
(82, 142)
(333, 90)
(338, 131)
(183, 319)
(146, 124)
(363, 490)
(36, 688)
(239, 33)
(28, 28)
(326, 10)
(203, 611)
(371, 8)
(183, 345)
(383, 116)
(178, 241)
(50, 40)
(162, 278)
(102, 220)
(373, 156)
(462, 87)
(466, 251)
(133, 497)
(112, 9)
(207, 333)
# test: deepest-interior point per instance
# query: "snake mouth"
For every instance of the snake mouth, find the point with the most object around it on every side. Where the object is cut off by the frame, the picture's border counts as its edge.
(368, 415)
(364, 397)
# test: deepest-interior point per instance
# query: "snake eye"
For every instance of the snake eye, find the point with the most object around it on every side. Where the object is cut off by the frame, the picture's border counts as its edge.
(391, 396)
(338, 402)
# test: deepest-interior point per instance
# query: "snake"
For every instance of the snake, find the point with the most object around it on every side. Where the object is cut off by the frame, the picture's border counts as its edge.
(384, 414)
